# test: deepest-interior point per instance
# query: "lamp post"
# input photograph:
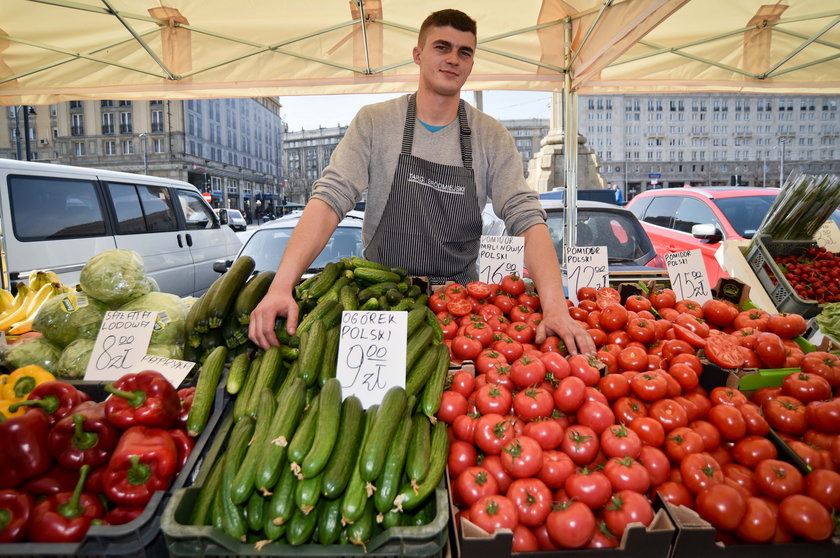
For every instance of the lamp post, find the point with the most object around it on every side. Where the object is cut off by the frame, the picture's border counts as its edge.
(145, 137)
(782, 142)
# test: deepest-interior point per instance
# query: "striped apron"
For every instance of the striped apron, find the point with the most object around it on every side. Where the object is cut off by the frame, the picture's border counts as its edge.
(431, 225)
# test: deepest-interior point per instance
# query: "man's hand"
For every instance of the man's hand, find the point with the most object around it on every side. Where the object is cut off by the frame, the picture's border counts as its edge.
(573, 334)
(275, 304)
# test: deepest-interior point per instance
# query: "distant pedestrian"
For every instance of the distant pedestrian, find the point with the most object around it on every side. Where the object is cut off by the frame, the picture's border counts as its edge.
(619, 196)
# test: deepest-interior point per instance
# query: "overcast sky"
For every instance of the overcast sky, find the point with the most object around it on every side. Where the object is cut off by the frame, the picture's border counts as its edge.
(307, 112)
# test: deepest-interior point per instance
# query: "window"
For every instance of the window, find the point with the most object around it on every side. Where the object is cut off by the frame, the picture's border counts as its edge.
(142, 209)
(128, 147)
(157, 121)
(196, 212)
(693, 212)
(107, 123)
(79, 148)
(661, 210)
(75, 104)
(125, 123)
(158, 146)
(77, 125)
(50, 208)
(109, 147)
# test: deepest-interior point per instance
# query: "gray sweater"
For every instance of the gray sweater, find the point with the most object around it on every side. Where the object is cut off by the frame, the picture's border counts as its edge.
(366, 158)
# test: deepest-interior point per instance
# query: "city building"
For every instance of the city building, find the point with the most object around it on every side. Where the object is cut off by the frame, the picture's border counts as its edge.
(305, 155)
(230, 148)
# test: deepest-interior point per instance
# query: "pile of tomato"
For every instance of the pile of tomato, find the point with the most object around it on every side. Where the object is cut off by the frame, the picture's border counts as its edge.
(814, 275)
(566, 451)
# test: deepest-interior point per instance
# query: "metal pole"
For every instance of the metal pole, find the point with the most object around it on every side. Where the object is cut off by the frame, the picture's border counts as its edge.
(17, 131)
(26, 132)
(764, 172)
(782, 164)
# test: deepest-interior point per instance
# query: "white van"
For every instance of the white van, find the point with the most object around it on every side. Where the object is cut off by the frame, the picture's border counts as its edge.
(56, 217)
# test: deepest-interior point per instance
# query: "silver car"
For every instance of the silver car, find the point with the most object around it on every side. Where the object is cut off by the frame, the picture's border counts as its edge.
(232, 218)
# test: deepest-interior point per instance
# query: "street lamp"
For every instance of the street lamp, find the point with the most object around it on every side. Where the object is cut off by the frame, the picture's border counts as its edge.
(145, 136)
(27, 110)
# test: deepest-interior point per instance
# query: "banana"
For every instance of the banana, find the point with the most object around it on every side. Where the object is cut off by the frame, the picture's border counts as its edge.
(14, 317)
(37, 279)
(45, 292)
(22, 290)
(51, 277)
(20, 328)
(6, 300)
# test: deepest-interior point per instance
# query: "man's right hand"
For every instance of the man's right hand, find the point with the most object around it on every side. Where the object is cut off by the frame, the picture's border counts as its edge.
(276, 303)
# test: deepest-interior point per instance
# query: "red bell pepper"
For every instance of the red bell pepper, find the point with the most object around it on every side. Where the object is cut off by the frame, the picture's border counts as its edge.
(186, 395)
(184, 444)
(23, 448)
(84, 437)
(66, 516)
(146, 398)
(55, 398)
(94, 483)
(144, 462)
(123, 514)
(57, 479)
(15, 509)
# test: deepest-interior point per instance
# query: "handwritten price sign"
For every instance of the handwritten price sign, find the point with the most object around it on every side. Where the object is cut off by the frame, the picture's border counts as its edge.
(122, 341)
(371, 354)
(688, 276)
(586, 266)
(172, 369)
(500, 256)
(828, 236)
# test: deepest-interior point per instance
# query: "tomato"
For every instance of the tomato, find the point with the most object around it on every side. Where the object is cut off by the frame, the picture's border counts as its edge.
(699, 471)
(770, 349)
(533, 403)
(669, 413)
(675, 493)
(627, 409)
(524, 540)
(823, 364)
(452, 404)
(478, 289)
(522, 457)
(685, 375)
(650, 431)
(571, 524)
(794, 353)
(806, 387)
(500, 377)
(463, 382)
(504, 302)
(764, 394)
(663, 298)
(707, 431)
(465, 348)
(805, 517)
(723, 351)
(556, 468)
(494, 512)
(602, 538)
(823, 485)
(674, 347)
(785, 414)
(480, 331)
(531, 300)
(589, 486)
(586, 368)
(532, 499)
(459, 306)
(649, 386)
(488, 359)
(569, 394)
(625, 507)
(492, 398)
(614, 386)
(752, 450)
(548, 433)
(657, 464)
(619, 441)
(787, 326)
(492, 431)
(756, 423)
(682, 441)
(778, 479)
(759, 522)
(721, 313)
(510, 348)
(463, 427)
(613, 317)
(552, 344)
(606, 296)
(461, 455)
(597, 415)
(474, 483)
(721, 505)
(754, 318)
(520, 313)
(701, 402)
(729, 421)
(513, 285)
(581, 444)
(625, 473)
(824, 415)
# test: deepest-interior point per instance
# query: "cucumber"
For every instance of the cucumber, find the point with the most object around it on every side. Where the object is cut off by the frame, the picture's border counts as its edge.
(434, 323)
(304, 436)
(290, 403)
(411, 498)
(205, 391)
(281, 506)
(301, 527)
(377, 290)
(255, 511)
(413, 291)
(403, 306)
(244, 395)
(348, 297)
(325, 279)
(232, 517)
(303, 287)
(321, 310)
(288, 353)
(356, 262)
(307, 493)
(419, 374)
(237, 373)
(243, 483)
(311, 352)
(202, 511)
(217, 517)
(430, 401)
(329, 521)
(231, 284)
(419, 448)
(361, 530)
(417, 343)
(332, 293)
(271, 531)
(199, 321)
(370, 304)
(344, 454)
(356, 493)
(283, 336)
(270, 367)
(389, 482)
(394, 296)
(423, 515)
(332, 318)
(329, 360)
(370, 276)
(375, 448)
(390, 519)
(415, 319)
(327, 425)
(251, 295)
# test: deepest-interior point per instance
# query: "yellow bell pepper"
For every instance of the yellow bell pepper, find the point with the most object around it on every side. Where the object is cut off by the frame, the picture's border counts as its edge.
(4, 409)
(22, 381)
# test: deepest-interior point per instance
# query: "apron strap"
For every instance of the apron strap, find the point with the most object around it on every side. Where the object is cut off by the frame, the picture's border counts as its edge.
(463, 124)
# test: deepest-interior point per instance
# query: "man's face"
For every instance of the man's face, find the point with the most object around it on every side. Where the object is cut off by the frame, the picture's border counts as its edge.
(445, 59)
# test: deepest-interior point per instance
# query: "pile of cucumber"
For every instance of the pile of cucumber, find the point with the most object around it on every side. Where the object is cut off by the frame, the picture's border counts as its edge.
(302, 464)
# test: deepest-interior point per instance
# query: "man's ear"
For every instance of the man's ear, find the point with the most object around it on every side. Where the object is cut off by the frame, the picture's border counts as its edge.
(415, 53)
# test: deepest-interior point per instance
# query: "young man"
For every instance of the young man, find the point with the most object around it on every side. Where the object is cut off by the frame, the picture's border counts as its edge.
(429, 162)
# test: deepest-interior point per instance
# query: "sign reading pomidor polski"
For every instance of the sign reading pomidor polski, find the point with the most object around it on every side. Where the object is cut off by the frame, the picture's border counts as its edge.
(688, 276)
(586, 266)
(499, 256)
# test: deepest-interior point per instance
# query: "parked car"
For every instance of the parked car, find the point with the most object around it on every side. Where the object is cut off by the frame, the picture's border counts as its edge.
(267, 243)
(630, 252)
(232, 218)
(688, 218)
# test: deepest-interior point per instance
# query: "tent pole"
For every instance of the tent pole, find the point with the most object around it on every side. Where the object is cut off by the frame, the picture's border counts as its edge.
(569, 146)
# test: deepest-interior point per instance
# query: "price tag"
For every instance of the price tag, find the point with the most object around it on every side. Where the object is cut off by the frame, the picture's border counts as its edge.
(688, 276)
(371, 354)
(500, 256)
(586, 266)
(122, 341)
(172, 369)
(828, 236)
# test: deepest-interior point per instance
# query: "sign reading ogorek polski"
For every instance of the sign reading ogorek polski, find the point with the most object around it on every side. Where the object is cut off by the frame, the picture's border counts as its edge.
(499, 256)
(688, 276)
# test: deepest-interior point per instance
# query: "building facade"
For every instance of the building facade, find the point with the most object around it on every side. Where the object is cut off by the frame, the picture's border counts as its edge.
(231, 148)
(305, 155)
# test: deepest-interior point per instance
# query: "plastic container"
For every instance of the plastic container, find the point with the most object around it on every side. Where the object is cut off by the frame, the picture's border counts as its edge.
(141, 537)
(184, 540)
(760, 258)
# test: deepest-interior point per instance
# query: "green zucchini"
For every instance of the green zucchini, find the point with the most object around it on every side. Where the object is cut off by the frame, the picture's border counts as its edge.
(329, 360)
(304, 436)
(410, 497)
(376, 446)
(231, 284)
(202, 511)
(329, 521)
(327, 426)
(251, 295)
(243, 483)
(237, 373)
(205, 391)
(212, 339)
(344, 454)
(357, 491)
(389, 482)
(419, 448)
(290, 403)
(301, 527)
(232, 516)
(199, 319)
(244, 396)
